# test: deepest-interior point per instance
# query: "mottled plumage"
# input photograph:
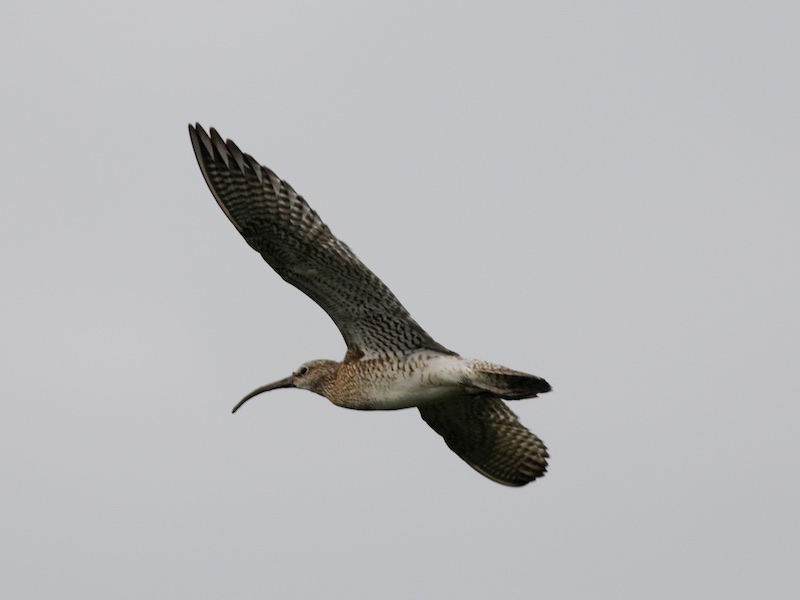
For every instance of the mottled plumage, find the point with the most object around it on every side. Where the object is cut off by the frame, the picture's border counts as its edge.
(391, 362)
(488, 435)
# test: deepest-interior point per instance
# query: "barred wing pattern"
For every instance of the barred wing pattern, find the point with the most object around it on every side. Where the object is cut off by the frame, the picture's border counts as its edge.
(484, 432)
(280, 225)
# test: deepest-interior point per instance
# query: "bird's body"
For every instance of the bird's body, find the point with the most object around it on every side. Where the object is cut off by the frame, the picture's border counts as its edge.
(421, 378)
(391, 383)
(391, 362)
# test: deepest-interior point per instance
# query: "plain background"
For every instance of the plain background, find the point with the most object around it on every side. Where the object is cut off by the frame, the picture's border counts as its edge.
(603, 194)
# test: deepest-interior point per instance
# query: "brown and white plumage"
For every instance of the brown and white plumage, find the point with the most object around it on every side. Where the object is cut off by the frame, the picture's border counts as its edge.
(391, 362)
(279, 224)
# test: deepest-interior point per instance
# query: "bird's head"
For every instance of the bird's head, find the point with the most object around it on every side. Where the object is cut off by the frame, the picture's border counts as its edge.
(315, 375)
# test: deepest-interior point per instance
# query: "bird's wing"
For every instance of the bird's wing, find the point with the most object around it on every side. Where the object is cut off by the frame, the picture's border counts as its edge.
(280, 225)
(484, 432)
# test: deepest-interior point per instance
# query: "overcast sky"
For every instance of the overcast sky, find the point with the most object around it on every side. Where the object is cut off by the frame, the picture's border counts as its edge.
(604, 194)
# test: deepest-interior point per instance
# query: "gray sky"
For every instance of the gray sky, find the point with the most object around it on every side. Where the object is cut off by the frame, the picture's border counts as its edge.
(603, 194)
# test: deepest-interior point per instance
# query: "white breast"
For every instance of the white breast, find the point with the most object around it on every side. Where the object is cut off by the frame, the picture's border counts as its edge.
(420, 379)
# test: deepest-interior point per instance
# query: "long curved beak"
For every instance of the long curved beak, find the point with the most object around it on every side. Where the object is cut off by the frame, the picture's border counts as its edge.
(283, 383)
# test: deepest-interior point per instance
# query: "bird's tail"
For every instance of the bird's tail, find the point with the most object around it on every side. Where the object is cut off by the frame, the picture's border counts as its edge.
(507, 383)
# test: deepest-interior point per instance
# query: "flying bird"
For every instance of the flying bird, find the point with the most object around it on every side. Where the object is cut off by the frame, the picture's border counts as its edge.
(391, 362)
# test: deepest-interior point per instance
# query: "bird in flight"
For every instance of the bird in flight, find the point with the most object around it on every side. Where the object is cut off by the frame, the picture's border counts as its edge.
(391, 362)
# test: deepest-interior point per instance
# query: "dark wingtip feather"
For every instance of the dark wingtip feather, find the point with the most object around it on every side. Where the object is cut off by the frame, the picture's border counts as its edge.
(220, 147)
(238, 157)
(200, 141)
(257, 169)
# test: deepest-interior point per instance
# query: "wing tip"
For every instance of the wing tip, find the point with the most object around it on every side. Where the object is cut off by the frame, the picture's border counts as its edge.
(220, 147)
(516, 482)
(211, 146)
(206, 148)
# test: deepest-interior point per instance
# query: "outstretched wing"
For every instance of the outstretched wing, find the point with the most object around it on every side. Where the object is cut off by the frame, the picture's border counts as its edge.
(484, 432)
(280, 225)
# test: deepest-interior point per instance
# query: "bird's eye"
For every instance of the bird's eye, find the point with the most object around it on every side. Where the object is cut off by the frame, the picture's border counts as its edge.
(302, 371)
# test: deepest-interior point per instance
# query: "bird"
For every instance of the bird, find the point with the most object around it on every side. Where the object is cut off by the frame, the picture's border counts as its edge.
(390, 362)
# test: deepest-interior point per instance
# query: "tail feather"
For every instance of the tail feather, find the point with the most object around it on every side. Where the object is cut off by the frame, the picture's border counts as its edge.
(507, 383)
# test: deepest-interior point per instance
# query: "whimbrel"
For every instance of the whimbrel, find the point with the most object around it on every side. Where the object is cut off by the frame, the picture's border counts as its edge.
(391, 362)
